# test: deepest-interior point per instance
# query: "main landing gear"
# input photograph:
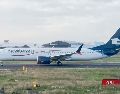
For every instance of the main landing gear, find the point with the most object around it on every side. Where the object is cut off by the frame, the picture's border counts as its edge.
(59, 63)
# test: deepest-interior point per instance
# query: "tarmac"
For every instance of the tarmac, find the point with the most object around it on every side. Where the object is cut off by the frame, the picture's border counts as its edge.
(69, 65)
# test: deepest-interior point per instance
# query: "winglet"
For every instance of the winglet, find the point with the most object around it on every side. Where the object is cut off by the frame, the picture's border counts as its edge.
(79, 49)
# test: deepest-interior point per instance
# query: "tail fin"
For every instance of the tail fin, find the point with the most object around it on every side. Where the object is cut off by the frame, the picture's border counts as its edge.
(115, 39)
(112, 47)
(113, 43)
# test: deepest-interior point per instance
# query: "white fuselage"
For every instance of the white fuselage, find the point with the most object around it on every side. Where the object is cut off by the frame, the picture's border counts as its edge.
(31, 54)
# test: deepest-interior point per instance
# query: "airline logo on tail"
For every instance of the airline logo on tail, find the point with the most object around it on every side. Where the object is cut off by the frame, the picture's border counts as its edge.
(116, 41)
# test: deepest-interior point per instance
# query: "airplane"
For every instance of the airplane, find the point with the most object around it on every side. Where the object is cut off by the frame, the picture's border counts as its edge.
(47, 55)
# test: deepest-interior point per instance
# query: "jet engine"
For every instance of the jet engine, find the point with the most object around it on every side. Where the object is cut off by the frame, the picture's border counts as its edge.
(43, 60)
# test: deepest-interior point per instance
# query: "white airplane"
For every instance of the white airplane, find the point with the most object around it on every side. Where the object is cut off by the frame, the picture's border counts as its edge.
(47, 55)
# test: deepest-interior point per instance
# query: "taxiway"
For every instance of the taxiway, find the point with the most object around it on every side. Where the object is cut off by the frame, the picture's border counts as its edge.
(88, 65)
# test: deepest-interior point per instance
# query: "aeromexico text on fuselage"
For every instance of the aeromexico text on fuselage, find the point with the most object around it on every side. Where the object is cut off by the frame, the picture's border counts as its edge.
(19, 52)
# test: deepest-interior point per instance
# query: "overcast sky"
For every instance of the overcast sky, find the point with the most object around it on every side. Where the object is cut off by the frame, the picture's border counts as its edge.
(49, 20)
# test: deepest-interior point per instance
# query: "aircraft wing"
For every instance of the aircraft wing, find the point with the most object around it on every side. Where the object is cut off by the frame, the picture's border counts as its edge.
(61, 57)
(64, 56)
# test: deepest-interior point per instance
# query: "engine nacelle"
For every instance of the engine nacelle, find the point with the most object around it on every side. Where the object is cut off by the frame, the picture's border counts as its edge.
(43, 60)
